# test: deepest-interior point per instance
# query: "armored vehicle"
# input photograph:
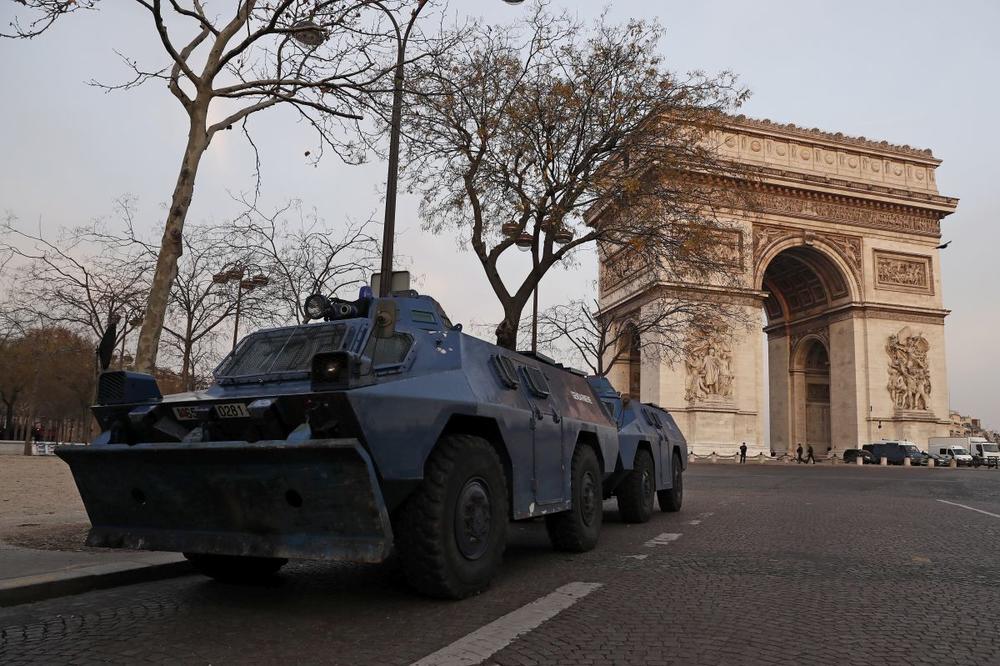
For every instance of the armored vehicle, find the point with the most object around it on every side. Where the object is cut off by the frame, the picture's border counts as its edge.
(380, 428)
(652, 455)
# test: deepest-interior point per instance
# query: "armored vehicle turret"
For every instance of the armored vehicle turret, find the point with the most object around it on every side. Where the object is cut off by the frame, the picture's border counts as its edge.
(379, 427)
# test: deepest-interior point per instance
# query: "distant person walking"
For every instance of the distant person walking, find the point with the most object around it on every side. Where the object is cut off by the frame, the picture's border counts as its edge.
(798, 454)
(810, 456)
(743, 453)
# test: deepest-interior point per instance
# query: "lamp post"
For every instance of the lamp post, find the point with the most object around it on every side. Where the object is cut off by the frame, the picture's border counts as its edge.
(525, 242)
(236, 274)
(392, 178)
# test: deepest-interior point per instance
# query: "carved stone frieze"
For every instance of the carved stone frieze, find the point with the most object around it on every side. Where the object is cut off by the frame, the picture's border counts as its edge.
(903, 272)
(618, 267)
(857, 215)
(909, 370)
(709, 363)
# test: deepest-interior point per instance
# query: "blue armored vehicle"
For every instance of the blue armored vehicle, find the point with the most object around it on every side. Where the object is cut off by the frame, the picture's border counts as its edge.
(379, 428)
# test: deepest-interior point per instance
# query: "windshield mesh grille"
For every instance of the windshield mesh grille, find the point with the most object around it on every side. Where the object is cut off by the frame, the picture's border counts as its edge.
(283, 351)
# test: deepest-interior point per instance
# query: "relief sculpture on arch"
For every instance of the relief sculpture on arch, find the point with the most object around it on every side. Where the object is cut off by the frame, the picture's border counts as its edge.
(909, 372)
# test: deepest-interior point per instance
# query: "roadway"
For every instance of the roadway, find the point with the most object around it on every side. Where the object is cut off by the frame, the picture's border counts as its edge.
(765, 564)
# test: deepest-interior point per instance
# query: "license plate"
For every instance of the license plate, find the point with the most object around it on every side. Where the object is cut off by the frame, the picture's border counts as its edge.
(232, 410)
(229, 410)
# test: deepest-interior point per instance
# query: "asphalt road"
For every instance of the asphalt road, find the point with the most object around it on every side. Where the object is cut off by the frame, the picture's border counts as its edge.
(765, 564)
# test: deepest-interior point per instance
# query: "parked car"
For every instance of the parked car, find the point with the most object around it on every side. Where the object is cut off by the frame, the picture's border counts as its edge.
(939, 460)
(852, 455)
(894, 452)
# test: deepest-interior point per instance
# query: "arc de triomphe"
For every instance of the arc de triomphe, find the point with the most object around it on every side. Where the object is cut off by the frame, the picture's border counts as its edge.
(842, 260)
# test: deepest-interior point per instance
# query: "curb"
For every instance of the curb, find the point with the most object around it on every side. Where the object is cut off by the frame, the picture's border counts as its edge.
(28, 589)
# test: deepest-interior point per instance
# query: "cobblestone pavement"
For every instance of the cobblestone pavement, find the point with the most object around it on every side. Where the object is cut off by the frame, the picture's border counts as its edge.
(796, 565)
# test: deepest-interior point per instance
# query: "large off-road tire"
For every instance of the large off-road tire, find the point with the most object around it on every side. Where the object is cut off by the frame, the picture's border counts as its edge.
(234, 568)
(636, 493)
(671, 499)
(451, 532)
(577, 530)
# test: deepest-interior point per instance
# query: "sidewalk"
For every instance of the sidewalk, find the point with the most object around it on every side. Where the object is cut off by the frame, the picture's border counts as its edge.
(28, 575)
(42, 529)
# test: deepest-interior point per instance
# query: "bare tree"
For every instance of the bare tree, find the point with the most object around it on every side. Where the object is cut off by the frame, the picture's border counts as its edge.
(236, 59)
(72, 282)
(553, 136)
(200, 302)
(659, 329)
(303, 255)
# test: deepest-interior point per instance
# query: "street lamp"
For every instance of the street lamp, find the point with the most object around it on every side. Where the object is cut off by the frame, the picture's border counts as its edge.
(389, 228)
(235, 274)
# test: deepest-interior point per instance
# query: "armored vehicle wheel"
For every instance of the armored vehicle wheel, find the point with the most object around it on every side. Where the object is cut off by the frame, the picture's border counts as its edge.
(236, 569)
(577, 530)
(452, 531)
(672, 498)
(636, 493)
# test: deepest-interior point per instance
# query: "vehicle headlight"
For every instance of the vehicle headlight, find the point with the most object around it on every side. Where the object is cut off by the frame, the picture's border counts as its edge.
(332, 370)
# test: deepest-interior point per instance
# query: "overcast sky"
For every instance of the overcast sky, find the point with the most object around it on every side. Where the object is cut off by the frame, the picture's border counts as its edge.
(923, 73)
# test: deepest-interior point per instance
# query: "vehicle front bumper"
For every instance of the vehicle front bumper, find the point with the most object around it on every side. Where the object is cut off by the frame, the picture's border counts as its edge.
(318, 499)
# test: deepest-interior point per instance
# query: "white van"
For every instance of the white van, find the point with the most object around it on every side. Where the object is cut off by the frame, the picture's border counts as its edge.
(951, 447)
(977, 447)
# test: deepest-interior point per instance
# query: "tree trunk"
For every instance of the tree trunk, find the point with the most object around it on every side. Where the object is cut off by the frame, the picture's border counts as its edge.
(186, 367)
(171, 247)
(507, 329)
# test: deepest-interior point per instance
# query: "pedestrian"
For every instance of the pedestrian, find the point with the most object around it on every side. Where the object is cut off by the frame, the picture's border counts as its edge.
(743, 453)
(811, 456)
(798, 454)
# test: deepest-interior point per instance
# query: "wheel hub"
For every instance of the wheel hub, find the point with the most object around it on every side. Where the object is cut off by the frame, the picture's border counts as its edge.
(473, 519)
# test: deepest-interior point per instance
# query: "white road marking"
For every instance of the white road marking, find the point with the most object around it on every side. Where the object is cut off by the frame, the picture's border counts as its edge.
(971, 508)
(486, 641)
(662, 540)
(706, 514)
(637, 557)
(694, 522)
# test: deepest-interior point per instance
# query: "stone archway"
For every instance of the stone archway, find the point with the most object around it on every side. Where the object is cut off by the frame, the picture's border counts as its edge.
(842, 256)
(803, 285)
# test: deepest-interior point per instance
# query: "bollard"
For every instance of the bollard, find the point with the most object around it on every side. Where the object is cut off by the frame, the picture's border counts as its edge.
(953, 463)
(883, 461)
(713, 457)
(859, 461)
(906, 461)
(762, 459)
(930, 462)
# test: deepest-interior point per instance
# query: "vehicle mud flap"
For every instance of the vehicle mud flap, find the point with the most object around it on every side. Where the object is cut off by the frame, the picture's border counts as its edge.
(317, 499)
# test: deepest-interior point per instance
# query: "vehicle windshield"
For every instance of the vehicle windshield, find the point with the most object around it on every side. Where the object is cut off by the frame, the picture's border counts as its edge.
(991, 448)
(283, 351)
(909, 448)
(959, 451)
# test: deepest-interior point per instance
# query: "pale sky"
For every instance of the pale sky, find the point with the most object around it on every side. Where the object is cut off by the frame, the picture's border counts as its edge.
(923, 73)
